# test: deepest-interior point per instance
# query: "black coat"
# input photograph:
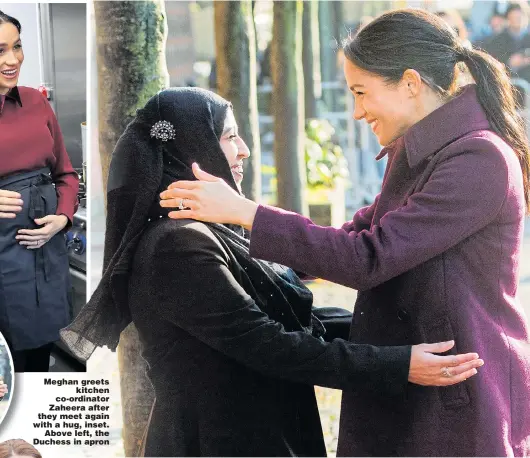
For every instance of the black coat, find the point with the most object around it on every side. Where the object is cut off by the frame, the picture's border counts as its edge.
(228, 380)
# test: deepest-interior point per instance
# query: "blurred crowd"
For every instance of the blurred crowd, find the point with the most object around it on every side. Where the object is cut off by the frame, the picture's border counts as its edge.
(507, 37)
(500, 28)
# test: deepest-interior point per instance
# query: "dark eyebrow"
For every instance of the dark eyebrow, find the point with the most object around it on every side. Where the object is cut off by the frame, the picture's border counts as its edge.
(353, 86)
(16, 42)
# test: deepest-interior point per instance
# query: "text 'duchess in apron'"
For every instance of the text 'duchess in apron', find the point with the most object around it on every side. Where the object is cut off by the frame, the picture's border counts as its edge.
(78, 416)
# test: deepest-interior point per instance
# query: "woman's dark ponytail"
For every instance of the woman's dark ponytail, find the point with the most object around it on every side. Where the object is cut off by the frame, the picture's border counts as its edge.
(496, 94)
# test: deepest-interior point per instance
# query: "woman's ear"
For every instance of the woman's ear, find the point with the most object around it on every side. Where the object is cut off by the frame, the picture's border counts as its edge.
(412, 80)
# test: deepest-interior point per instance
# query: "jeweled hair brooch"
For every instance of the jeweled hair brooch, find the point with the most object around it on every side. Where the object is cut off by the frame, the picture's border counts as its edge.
(163, 131)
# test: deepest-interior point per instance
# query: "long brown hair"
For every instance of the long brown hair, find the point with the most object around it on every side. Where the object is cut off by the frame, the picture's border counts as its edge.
(419, 40)
(15, 447)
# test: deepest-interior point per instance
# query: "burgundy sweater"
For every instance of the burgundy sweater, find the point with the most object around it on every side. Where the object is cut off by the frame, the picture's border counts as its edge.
(30, 139)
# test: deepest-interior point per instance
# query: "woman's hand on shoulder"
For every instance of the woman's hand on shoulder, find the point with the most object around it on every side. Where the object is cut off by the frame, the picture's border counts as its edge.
(10, 204)
(208, 199)
(429, 369)
(36, 238)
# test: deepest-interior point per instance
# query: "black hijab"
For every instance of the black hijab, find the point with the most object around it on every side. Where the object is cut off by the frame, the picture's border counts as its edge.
(176, 127)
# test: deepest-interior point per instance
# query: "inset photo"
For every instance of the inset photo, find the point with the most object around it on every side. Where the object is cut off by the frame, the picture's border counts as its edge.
(42, 191)
(7, 379)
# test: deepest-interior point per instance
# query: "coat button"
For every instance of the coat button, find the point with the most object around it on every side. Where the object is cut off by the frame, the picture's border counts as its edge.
(403, 315)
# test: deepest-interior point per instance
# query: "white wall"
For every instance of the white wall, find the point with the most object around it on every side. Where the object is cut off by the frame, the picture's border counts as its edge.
(96, 202)
(27, 14)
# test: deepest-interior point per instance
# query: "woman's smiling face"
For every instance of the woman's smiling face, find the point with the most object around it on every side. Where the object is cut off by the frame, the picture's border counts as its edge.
(388, 108)
(234, 147)
(11, 57)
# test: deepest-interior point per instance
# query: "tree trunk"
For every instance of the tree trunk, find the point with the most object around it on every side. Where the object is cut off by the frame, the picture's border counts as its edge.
(288, 104)
(132, 67)
(337, 21)
(311, 58)
(328, 45)
(235, 44)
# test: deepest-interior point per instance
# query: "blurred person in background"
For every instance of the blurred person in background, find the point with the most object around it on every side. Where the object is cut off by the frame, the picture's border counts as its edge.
(480, 15)
(512, 45)
(38, 198)
(436, 256)
(497, 24)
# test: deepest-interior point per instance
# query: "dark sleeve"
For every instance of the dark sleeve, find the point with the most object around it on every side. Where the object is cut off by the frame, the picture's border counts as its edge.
(196, 290)
(464, 194)
(64, 176)
(337, 322)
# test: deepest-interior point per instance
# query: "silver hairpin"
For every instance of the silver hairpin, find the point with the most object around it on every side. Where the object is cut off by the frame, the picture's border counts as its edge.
(163, 130)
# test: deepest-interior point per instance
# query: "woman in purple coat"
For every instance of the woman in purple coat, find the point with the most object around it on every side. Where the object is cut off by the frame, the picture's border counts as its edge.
(436, 256)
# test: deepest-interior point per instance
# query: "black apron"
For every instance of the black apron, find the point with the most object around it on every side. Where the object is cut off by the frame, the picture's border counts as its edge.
(34, 284)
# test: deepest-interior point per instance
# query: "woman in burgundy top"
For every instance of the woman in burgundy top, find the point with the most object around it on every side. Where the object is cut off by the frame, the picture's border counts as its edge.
(38, 198)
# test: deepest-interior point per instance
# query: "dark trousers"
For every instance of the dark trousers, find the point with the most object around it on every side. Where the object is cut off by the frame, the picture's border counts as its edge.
(32, 360)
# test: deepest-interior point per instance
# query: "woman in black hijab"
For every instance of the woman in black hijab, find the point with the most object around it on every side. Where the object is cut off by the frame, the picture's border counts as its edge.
(232, 345)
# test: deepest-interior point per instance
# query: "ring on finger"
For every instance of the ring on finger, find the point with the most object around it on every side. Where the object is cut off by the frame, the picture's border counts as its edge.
(446, 372)
(181, 206)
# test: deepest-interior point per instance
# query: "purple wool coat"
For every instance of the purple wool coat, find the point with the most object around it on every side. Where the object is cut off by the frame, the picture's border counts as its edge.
(435, 258)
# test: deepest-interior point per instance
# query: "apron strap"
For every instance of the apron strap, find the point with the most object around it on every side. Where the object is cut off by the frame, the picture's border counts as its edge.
(15, 178)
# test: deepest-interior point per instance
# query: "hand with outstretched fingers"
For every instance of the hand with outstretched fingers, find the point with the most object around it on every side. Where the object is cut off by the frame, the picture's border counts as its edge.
(208, 199)
(10, 204)
(429, 369)
(36, 238)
